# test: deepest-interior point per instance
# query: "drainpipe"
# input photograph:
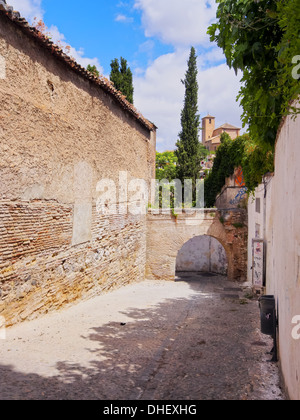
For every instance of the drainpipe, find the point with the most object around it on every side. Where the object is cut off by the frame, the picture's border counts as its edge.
(268, 174)
(265, 230)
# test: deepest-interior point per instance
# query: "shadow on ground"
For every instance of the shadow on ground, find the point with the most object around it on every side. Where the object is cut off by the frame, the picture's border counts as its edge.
(203, 347)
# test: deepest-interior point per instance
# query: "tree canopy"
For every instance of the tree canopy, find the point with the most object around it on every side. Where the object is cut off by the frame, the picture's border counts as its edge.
(166, 165)
(242, 151)
(121, 76)
(261, 38)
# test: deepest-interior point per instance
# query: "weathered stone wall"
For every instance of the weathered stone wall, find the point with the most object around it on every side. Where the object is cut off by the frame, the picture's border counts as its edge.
(59, 135)
(167, 234)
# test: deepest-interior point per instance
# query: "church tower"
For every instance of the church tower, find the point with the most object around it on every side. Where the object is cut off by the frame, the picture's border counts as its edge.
(208, 127)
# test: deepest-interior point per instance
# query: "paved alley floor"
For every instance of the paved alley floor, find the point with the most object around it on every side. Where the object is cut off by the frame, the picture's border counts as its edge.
(194, 339)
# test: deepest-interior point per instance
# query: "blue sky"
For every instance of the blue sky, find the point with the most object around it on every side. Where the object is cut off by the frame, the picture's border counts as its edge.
(155, 36)
(105, 29)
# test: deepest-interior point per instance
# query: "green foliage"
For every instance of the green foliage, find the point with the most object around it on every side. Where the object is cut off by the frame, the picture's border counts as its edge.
(224, 164)
(238, 225)
(255, 160)
(166, 165)
(189, 152)
(166, 171)
(260, 38)
(121, 76)
(288, 49)
(93, 70)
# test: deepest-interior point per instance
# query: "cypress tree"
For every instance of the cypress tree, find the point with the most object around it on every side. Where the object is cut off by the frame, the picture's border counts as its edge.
(189, 152)
(121, 76)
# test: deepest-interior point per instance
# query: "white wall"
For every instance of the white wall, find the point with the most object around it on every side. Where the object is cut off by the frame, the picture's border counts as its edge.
(284, 254)
(255, 224)
(281, 231)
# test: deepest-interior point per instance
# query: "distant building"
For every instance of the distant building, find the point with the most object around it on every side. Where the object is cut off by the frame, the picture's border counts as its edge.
(211, 136)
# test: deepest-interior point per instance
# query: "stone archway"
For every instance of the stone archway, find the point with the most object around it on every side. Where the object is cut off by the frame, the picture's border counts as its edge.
(167, 234)
(202, 254)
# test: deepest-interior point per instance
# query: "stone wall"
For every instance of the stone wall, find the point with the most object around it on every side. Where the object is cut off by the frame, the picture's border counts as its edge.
(60, 135)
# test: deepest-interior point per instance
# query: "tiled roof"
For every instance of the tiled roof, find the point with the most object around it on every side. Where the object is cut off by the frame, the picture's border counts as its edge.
(57, 52)
(229, 127)
(214, 139)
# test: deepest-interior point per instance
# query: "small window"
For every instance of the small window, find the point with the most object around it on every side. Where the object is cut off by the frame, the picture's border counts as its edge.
(210, 121)
(257, 205)
(257, 231)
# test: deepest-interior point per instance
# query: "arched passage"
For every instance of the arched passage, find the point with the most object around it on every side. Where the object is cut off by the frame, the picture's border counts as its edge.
(166, 235)
(202, 254)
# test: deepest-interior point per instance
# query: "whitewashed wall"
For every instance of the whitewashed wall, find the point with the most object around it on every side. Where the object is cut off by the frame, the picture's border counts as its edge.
(280, 221)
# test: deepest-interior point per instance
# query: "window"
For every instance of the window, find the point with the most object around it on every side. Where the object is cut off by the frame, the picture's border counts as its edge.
(257, 231)
(210, 121)
(257, 205)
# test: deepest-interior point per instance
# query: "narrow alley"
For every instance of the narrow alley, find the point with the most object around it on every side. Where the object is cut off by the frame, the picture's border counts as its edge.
(194, 339)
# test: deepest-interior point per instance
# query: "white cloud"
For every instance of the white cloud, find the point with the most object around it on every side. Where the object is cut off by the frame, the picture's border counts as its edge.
(28, 8)
(177, 22)
(211, 57)
(123, 19)
(159, 93)
(218, 89)
(147, 46)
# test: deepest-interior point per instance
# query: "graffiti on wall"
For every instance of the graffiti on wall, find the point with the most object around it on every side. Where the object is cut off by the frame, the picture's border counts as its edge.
(258, 263)
(239, 177)
(239, 197)
(239, 182)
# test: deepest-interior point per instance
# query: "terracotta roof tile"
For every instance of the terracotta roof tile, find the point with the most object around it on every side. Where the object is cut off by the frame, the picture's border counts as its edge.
(229, 127)
(55, 50)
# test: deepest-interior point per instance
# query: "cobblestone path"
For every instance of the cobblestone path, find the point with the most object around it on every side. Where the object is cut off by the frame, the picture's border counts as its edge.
(195, 339)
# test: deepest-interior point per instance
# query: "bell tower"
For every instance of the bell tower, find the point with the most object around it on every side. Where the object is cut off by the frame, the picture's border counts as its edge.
(208, 127)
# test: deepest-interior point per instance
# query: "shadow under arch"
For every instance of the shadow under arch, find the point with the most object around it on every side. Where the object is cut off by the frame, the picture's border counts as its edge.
(202, 253)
